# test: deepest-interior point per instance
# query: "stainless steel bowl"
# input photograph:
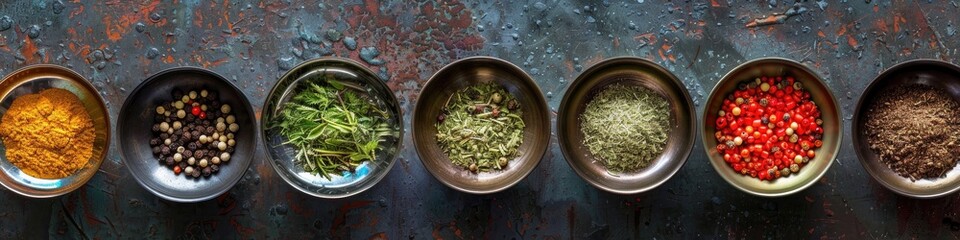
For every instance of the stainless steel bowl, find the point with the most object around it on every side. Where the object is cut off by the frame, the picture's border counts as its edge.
(281, 156)
(630, 71)
(821, 95)
(929, 72)
(136, 119)
(462, 74)
(33, 79)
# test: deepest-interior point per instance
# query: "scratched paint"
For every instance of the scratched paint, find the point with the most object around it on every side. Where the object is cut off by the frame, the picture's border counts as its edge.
(118, 43)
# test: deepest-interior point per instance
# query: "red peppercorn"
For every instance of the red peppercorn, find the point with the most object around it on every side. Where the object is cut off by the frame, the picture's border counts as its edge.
(176, 170)
(195, 110)
(758, 117)
(203, 115)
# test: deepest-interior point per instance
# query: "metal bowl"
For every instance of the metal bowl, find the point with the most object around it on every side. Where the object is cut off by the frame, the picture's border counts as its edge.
(367, 174)
(821, 95)
(33, 79)
(628, 71)
(136, 119)
(464, 73)
(929, 72)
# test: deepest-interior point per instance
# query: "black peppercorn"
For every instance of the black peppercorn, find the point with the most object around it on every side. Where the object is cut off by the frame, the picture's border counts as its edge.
(215, 168)
(207, 171)
(169, 161)
(211, 154)
(156, 150)
(165, 150)
(210, 130)
(183, 164)
(186, 135)
(190, 118)
(156, 127)
(187, 154)
(196, 134)
(154, 141)
(177, 94)
(192, 146)
(164, 136)
(196, 173)
(230, 150)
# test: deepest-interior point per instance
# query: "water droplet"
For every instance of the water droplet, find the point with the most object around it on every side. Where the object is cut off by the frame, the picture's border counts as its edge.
(152, 53)
(369, 54)
(5, 23)
(33, 32)
(350, 43)
(155, 17)
(285, 63)
(57, 7)
(140, 27)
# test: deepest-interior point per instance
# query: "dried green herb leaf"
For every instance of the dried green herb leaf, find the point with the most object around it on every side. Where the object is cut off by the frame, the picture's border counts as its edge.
(626, 127)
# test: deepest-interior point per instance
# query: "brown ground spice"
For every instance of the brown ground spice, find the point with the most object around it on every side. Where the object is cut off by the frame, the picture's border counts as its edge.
(914, 130)
(48, 135)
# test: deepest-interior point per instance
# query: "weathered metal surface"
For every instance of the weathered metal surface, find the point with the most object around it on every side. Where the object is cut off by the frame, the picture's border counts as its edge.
(116, 44)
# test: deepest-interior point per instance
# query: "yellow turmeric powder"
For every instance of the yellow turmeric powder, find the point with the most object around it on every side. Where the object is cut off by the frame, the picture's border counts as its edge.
(48, 135)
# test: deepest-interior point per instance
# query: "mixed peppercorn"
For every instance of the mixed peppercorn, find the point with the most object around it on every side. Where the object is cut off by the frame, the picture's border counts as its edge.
(194, 134)
(769, 128)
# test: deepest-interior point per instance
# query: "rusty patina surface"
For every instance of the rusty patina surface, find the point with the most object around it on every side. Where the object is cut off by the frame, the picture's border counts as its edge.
(116, 44)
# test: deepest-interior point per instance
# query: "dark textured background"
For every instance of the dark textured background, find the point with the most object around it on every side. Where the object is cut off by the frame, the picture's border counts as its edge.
(118, 43)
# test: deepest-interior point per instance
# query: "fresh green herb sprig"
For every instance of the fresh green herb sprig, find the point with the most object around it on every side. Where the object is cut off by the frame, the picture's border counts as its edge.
(626, 127)
(332, 126)
(481, 128)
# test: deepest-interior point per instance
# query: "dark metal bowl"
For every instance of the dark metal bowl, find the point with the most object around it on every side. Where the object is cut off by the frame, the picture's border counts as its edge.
(33, 79)
(136, 119)
(929, 72)
(821, 95)
(464, 73)
(282, 156)
(631, 71)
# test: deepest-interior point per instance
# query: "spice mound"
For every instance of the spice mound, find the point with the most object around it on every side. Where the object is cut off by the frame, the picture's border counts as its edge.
(334, 126)
(626, 127)
(48, 135)
(480, 128)
(769, 128)
(194, 134)
(914, 130)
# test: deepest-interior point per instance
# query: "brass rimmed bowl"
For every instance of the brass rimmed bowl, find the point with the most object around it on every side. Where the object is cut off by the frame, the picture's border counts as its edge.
(821, 95)
(33, 79)
(136, 119)
(627, 71)
(462, 74)
(282, 155)
(929, 72)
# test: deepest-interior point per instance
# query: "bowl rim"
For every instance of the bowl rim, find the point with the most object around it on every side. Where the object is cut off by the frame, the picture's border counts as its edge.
(860, 106)
(289, 73)
(645, 63)
(102, 104)
(524, 76)
(718, 166)
(244, 101)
